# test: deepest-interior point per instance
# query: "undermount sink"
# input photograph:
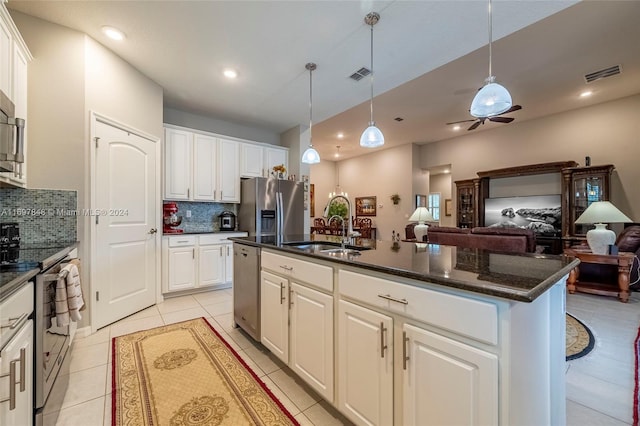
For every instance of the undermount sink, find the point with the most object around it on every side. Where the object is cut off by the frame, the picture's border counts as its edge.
(325, 247)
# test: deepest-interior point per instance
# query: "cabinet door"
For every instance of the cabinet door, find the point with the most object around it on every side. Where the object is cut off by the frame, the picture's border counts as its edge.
(204, 167)
(22, 414)
(311, 338)
(365, 365)
(274, 315)
(6, 46)
(446, 382)
(182, 268)
(211, 265)
(275, 157)
(229, 171)
(177, 164)
(251, 160)
(228, 263)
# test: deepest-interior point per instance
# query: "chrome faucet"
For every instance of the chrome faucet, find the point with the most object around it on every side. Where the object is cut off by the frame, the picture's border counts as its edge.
(350, 233)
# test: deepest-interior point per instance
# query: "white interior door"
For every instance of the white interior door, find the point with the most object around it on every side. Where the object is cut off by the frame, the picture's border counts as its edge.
(124, 265)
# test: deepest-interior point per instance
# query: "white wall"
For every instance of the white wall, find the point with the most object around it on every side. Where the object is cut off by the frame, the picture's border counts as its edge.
(323, 178)
(222, 127)
(70, 75)
(607, 132)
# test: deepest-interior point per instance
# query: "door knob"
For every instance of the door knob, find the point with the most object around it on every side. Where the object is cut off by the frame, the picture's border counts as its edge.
(153, 231)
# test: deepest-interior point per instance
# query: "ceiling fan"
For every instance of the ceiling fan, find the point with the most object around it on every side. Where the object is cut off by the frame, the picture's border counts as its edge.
(497, 118)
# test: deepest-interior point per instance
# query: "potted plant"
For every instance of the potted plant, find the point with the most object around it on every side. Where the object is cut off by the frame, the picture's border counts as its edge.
(395, 198)
(279, 171)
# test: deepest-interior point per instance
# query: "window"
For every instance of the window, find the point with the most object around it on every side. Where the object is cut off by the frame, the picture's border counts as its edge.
(434, 205)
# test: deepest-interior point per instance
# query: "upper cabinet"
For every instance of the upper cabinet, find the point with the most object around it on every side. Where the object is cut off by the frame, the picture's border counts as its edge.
(258, 160)
(200, 167)
(14, 57)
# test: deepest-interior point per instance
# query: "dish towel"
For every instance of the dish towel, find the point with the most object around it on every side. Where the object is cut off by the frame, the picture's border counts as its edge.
(69, 298)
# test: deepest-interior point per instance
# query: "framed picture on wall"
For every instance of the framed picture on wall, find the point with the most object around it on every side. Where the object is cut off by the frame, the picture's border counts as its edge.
(448, 207)
(312, 200)
(421, 200)
(365, 206)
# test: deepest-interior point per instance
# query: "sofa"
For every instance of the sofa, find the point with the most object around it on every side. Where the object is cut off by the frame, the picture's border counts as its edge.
(513, 240)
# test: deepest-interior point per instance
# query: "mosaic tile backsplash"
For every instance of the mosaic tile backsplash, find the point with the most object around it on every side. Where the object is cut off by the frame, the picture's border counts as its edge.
(44, 215)
(204, 216)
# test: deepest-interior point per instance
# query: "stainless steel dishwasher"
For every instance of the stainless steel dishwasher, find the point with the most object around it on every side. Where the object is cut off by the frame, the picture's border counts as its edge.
(246, 288)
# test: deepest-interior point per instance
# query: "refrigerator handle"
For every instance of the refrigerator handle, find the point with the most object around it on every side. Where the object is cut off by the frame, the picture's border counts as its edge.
(279, 208)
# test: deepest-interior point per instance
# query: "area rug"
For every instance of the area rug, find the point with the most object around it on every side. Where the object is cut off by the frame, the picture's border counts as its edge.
(187, 374)
(580, 340)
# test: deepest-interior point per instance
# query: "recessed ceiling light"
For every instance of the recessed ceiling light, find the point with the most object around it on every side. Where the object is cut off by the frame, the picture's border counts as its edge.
(230, 73)
(340, 135)
(113, 33)
(586, 94)
(456, 128)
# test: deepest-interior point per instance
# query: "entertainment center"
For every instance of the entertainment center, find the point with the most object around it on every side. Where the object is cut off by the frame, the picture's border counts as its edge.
(531, 196)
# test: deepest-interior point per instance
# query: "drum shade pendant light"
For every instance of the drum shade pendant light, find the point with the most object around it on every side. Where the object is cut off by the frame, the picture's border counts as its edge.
(492, 99)
(372, 137)
(310, 155)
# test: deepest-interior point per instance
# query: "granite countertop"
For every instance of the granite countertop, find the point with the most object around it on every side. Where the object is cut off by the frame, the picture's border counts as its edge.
(42, 255)
(519, 277)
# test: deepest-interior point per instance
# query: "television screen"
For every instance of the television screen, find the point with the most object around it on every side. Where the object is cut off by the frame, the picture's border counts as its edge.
(541, 213)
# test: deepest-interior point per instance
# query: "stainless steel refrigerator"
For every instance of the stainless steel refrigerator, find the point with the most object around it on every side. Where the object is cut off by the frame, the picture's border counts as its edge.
(271, 207)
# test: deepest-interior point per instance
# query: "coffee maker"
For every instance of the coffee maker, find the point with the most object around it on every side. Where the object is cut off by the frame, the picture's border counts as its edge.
(170, 218)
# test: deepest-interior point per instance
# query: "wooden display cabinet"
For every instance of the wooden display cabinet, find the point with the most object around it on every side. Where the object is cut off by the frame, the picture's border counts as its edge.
(467, 203)
(584, 186)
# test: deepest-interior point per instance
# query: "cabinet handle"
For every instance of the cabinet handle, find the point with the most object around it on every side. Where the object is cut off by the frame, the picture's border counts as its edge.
(281, 294)
(12, 379)
(290, 296)
(220, 251)
(405, 358)
(193, 253)
(393, 299)
(383, 330)
(15, 322)
(188, 193)
(228, 251)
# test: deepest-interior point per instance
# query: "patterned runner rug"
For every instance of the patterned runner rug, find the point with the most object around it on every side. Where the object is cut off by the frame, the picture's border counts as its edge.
(580, 340)
(186, 374)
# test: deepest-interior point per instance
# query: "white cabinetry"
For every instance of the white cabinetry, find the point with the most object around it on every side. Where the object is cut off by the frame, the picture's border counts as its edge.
(257, 160)
(193, 262)
(365, 365)
(297, 320)
(200, 167)
(14, 57)
(16, 379)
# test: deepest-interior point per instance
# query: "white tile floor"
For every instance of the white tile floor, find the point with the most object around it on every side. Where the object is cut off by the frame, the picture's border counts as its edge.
(599, 385)
(87, 401)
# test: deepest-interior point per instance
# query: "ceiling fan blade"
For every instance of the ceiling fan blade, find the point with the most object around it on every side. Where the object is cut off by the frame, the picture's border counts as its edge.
(462, 121)
(513, 108)
(474, 125)
(502, 119)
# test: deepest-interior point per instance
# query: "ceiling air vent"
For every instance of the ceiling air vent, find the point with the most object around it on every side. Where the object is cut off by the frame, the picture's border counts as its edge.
(607, 72)
(360, 74)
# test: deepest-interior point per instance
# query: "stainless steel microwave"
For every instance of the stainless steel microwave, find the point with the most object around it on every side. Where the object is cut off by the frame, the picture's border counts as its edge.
(11, 136)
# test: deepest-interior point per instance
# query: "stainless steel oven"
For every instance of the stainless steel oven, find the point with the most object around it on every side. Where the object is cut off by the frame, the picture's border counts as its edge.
(52, 343)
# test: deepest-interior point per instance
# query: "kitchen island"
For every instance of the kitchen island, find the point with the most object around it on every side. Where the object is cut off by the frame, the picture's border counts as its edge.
(416, 333)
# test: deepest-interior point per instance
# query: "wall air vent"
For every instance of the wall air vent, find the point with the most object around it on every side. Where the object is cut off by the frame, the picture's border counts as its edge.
(360, 74)
(607, 72)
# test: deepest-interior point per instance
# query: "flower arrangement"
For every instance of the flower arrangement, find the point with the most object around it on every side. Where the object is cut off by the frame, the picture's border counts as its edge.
(395, 198)
(280, 168)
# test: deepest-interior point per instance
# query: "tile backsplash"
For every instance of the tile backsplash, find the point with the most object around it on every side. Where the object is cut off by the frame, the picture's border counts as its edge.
(44, 215)
(204, 216)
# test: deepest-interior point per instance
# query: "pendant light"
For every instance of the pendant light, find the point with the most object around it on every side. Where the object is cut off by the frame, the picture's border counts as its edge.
(492, 99)
(372, 137)
(310, 155)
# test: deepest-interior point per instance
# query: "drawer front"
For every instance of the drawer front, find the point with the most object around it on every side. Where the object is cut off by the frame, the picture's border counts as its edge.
(17, 304)
(219, 238)
(319, 275)
(468, 317)
(182, 241)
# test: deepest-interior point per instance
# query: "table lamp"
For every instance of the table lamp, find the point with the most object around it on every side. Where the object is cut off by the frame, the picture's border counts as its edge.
(600, 213)
(421, 215)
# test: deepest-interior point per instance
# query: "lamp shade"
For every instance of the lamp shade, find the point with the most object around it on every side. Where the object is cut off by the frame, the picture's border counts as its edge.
(602, 212)
(421, 215)
(311, 156)
(372, 137)
(491, 100)
(599, 213)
